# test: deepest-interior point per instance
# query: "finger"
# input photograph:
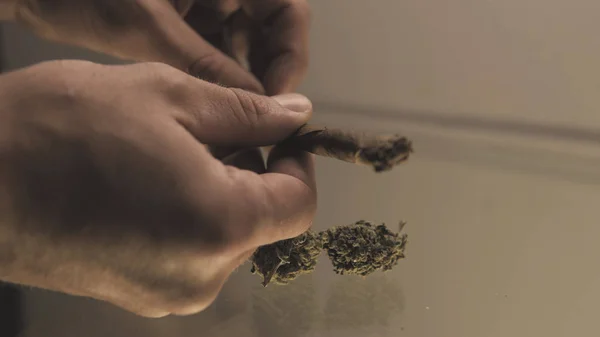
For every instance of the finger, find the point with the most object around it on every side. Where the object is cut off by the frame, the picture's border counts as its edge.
(205, 20)
(286, 44)
(292, 183)
(283, 199)
(248, 159)
(236, 118)
(211, 23)
(211, 20)
(238, 38)
(171, 40)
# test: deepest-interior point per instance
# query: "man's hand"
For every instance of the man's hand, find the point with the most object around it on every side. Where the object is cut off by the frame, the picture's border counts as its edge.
(107, 191)
(270, 37)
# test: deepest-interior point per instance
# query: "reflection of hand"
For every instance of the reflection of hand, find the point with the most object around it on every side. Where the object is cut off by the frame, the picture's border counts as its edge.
(106, 190)
(153, 30)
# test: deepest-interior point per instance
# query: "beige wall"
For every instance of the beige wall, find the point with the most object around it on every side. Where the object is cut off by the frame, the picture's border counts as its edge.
(521, 59)
(501, 197)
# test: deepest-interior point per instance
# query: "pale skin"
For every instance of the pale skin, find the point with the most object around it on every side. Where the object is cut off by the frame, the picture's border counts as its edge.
(107, 188)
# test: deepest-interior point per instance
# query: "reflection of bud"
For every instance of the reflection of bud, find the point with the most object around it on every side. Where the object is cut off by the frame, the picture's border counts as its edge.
(356, 302)
(285, 260)
(289, 311)
(363, 248)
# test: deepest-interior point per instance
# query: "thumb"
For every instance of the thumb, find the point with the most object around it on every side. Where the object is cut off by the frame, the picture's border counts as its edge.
(171, 40)
(237, 118)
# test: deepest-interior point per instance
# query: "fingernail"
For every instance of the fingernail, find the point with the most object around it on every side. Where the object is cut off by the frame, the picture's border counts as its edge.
(295, 102)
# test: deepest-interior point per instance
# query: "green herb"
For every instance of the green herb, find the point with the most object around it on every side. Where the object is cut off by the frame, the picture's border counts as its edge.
(285, 260)
(360, 248)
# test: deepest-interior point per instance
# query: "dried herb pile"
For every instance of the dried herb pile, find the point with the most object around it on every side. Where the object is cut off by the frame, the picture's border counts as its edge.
(361, 248)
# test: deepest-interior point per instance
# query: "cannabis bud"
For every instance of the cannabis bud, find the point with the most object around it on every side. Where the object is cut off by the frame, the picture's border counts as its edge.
(285, 260)
(361, 248)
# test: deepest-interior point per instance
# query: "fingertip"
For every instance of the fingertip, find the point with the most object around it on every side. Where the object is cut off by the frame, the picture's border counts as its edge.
(284, 66)
(296, 103)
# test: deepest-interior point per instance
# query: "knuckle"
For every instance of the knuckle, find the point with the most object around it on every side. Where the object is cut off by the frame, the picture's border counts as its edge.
(60, 80)
(242, 108)
(207, 67)
(157, 67)
(246, 109)
(162, 74)
(171, 83)
(59, 70)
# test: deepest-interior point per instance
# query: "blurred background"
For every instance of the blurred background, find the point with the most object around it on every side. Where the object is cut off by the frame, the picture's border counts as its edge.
(501, 100)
